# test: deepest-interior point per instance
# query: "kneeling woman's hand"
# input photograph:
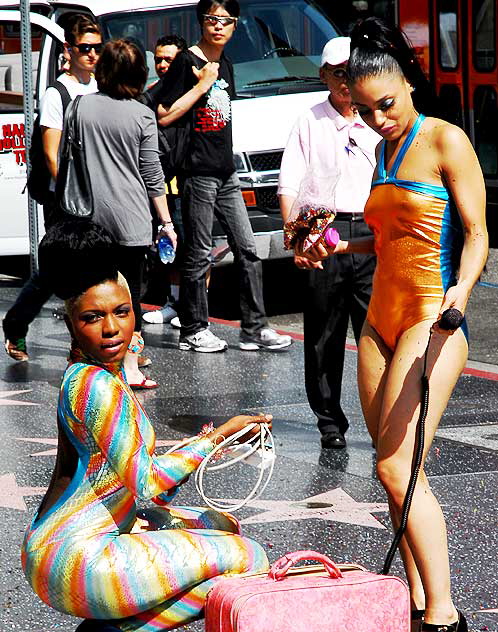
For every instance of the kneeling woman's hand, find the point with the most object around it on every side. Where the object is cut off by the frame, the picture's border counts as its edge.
(237, 423)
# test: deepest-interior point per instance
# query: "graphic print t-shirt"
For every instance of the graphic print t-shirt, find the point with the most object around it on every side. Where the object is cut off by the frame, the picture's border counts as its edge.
(211, 144)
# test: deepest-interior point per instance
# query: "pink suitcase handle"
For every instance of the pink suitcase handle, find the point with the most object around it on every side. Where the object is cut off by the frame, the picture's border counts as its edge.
(279, 568)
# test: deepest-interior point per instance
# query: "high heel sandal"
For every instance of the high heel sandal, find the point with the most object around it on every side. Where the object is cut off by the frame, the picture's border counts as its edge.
(460, 625)
(417, 617)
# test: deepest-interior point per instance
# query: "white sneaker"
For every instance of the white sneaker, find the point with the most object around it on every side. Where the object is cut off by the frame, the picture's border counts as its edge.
(160, 316)
(203, 341)
(175, 323)
(265, 339)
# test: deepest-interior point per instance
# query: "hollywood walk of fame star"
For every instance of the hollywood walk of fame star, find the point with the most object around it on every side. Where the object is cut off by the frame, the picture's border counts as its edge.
(12, 496)
(335, 505)
(53, 451)
(4, 401)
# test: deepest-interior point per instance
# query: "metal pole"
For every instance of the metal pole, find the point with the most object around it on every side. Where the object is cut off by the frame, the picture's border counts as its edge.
(27, 80)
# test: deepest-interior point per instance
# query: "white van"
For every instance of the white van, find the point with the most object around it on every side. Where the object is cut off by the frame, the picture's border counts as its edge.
(276, 54)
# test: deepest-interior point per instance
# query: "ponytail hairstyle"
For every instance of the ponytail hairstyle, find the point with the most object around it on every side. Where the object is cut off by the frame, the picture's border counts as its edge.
(378, 48)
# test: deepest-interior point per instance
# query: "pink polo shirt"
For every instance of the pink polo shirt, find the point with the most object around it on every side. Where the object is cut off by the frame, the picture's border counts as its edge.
(320, 139)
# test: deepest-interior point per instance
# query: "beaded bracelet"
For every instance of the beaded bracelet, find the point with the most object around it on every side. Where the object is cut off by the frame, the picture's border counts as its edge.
(207, 429)
(136, 344)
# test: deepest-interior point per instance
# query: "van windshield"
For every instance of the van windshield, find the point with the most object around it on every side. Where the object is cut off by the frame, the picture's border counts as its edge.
(275, 50)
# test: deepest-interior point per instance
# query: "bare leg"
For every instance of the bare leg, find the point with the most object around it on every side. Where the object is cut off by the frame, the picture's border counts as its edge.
(130, 363)
(374, 361)
(395, 446)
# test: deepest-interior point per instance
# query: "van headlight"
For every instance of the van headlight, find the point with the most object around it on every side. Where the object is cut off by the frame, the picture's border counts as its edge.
(240, 163)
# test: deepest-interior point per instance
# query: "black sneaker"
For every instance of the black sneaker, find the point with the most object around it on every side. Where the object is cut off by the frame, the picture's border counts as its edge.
(265, 339)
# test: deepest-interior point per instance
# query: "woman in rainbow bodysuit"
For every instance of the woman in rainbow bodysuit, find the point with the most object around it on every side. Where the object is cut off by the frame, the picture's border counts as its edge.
(427, 212)
(87, 551)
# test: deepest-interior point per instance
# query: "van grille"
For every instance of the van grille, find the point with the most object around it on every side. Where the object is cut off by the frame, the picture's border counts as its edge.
(266, 197)
(266, 161)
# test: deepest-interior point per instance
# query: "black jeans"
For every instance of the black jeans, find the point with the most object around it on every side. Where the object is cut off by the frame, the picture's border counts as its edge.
(203, 197)
(35, 292)
(340, 291)
(131, 260)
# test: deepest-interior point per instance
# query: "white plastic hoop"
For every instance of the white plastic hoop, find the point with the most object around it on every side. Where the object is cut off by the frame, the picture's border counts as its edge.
(261, 443)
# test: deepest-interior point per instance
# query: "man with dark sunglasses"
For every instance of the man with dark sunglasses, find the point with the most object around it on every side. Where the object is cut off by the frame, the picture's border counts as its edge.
(332, 134)
(81, 50)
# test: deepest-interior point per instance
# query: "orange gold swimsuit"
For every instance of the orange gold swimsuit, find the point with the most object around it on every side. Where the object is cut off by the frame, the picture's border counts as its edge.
(418, 243)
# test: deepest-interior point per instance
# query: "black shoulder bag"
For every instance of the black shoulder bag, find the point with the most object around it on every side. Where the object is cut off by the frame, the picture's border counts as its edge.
(39, 177)
(73, 189)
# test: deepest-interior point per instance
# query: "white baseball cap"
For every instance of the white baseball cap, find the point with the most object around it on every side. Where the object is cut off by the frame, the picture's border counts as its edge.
(336, 51)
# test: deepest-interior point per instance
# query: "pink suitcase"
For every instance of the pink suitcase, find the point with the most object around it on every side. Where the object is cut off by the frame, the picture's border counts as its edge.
(315, 598)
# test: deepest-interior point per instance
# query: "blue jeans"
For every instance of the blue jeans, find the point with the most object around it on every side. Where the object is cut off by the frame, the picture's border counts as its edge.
(203, 197)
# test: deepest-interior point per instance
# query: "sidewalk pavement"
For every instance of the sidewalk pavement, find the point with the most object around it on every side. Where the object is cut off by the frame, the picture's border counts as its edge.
(318, 499)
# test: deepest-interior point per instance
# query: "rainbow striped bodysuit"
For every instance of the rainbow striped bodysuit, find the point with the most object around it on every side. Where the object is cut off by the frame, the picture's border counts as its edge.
(418, 243)
(81, 557)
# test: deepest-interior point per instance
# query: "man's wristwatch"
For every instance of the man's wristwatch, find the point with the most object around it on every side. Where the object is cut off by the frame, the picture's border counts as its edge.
(166, 226)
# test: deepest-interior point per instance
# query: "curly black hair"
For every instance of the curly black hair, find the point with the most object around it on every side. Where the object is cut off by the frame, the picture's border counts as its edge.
(76, 254)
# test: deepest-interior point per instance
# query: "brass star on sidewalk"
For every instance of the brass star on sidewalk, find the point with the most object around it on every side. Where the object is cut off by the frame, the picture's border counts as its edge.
(15, 402)
(335, 505)
(12, 496)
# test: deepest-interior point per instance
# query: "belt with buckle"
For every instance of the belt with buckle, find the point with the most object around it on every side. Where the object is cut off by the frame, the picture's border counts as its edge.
(349, 217)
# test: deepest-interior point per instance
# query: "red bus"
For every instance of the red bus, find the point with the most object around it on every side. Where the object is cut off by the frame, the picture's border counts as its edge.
(456, 42)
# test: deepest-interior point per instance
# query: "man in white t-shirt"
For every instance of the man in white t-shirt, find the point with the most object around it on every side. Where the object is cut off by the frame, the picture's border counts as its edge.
(82, 48)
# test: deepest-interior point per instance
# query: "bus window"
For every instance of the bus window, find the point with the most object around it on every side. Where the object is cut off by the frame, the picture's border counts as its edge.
(447, 11)
(486, 131)
(450, 102)
(484, 17)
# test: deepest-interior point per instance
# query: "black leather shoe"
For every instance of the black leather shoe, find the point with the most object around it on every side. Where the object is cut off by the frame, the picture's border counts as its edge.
(459, 626)
(333, 440)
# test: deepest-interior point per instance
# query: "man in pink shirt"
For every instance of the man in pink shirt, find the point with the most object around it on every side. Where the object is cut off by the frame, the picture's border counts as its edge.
(331, 135)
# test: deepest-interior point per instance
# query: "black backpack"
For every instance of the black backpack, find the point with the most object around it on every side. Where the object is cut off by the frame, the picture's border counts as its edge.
(39, 177)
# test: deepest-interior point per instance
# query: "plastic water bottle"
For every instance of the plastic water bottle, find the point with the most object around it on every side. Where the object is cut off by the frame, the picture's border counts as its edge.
(166, 250)
(331, 237)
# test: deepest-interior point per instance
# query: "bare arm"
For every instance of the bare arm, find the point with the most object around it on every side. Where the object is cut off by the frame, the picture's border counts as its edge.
(286, 202)
(360, 245)
(206, 76)
(161, 207)
(463, 176)
(51, 139)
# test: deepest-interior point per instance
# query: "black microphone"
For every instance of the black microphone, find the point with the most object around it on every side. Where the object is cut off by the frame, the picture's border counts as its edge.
(451, 319)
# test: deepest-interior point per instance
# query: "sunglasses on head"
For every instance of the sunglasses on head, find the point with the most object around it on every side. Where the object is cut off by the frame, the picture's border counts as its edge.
(86, 48)
(213, 20)
(158, 59)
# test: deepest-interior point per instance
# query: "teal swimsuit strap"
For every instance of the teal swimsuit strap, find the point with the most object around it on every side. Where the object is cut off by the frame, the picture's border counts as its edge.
(390, 178)
(383, 175)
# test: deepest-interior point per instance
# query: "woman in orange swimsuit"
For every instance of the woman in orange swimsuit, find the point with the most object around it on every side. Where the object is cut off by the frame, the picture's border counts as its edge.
(427, 212)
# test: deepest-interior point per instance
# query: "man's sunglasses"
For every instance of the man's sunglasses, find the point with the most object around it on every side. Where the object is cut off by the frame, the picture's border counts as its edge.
(86, 48)
(213, 20)
(158, 60)
(339, 73)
